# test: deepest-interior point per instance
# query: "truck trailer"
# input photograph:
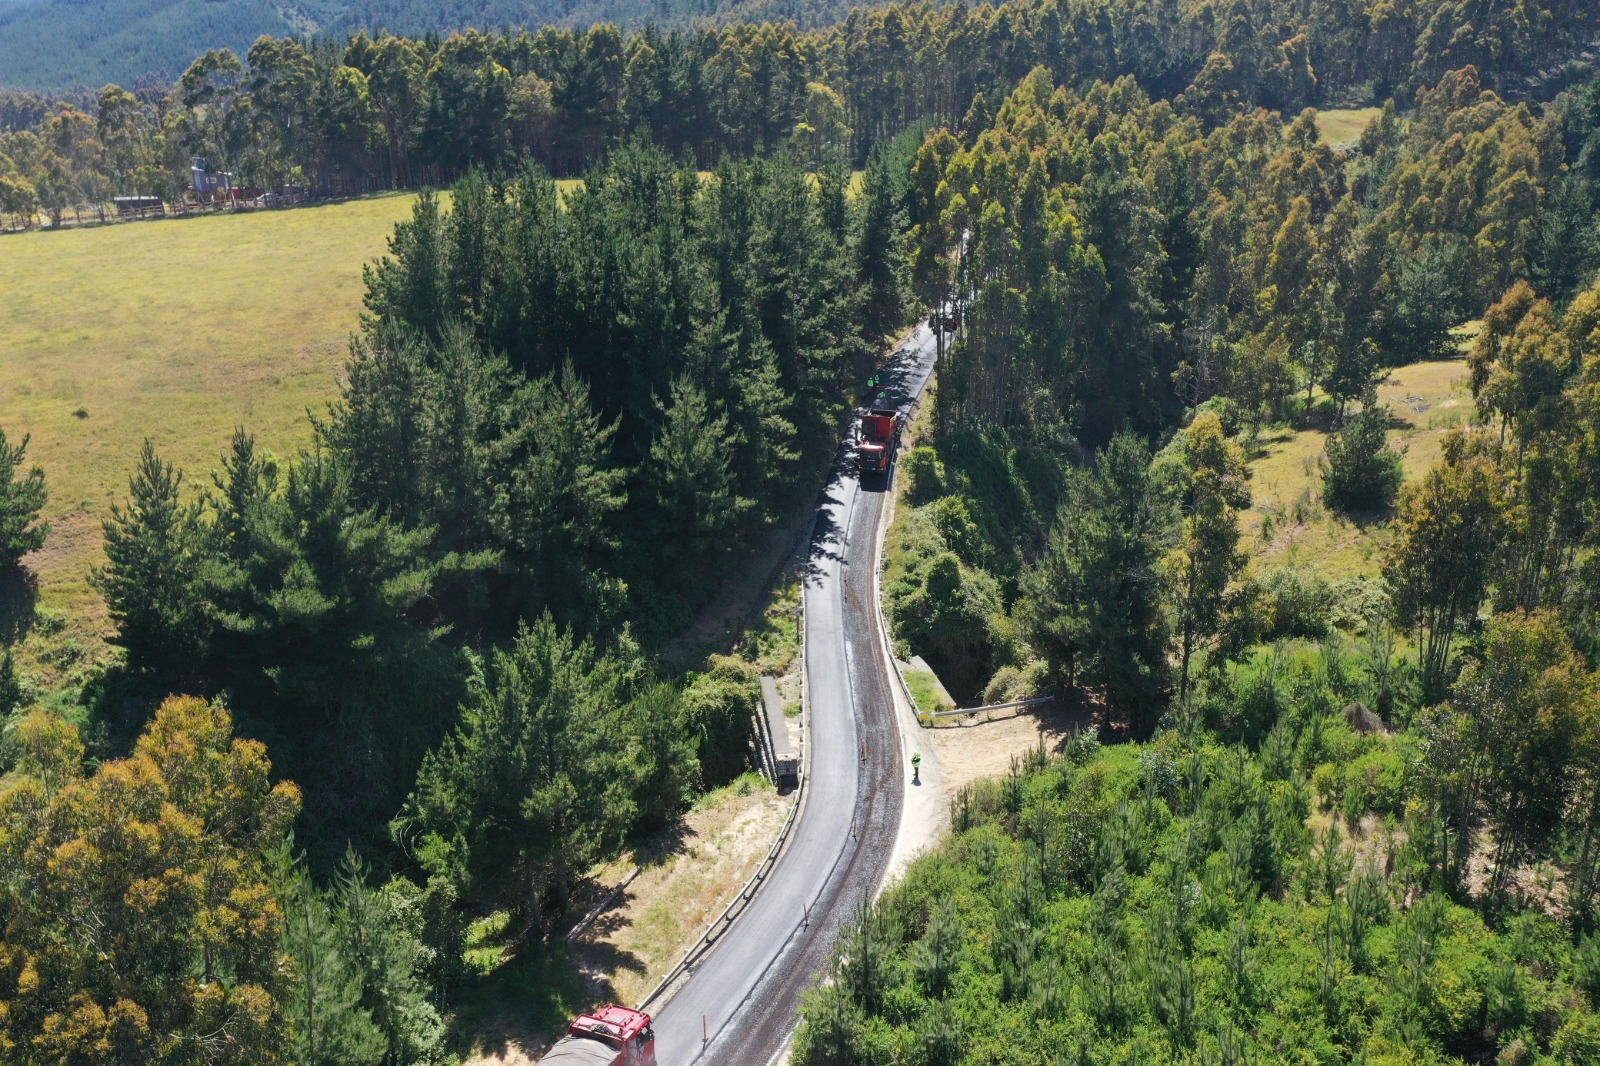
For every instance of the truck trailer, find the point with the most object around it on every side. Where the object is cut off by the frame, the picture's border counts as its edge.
(879, 437)
(611, 1036)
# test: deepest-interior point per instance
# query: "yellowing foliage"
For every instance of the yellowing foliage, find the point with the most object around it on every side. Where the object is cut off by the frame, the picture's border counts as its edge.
(139, 922)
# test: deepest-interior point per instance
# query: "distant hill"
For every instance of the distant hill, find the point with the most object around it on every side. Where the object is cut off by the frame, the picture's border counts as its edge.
(63, 44)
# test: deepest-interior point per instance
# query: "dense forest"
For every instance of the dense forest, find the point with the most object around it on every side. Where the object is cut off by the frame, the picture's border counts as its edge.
(384, 112)
(443, 617)
(58, 44)
(412, 675)
(1124, 268)
(1364, 826)
(474, 490)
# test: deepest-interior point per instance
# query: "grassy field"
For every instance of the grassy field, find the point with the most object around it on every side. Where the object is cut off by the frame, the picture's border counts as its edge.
(925, 691)
(1343, 128)
(177, 330)
(1287, 523)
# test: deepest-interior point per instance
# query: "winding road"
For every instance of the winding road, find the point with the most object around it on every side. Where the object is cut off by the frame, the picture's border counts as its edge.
(736, 1004)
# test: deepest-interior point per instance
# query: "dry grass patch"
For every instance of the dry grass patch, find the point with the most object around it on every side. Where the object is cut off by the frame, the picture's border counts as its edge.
(177, 330)
(523, 1000)
(1342, 127)
(1287, 523)
(682, 888)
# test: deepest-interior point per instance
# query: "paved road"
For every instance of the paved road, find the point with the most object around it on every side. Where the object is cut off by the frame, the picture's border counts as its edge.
(746, 988)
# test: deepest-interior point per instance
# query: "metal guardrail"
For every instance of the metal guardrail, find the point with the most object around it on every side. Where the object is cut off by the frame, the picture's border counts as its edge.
(595, 911)
(991, 707)
(719, 923)
(877, 575)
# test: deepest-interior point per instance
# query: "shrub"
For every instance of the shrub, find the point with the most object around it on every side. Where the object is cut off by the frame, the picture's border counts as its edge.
(1357, 601)
(1295, 605)
(1327, 783)
(1374, 782)
(923, 472)
(1363, 473)
(1228, 412)
(10, 683)
(1158, 773)
(946, 611)
(1577, 1043)
(953, 519)
(1016, 683)
(721, 702)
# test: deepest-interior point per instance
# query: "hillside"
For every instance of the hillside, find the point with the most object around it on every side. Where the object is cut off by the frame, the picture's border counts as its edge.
(46, 44)
(1288, 524)
(62, 44)
(1265, 447)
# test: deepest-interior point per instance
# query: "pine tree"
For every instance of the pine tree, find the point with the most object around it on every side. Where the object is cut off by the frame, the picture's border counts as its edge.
(22, 497)
(410, 287)
(1093, 602)
(389, 956)
(151, 580)
(1363, 472)
(328, 1024)
(691, 471)
(539, 780)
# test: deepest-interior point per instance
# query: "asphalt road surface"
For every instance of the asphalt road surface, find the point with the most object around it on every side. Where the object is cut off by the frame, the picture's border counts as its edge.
(745, 990)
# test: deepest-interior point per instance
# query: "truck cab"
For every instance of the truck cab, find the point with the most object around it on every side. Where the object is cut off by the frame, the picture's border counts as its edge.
(611, 1036)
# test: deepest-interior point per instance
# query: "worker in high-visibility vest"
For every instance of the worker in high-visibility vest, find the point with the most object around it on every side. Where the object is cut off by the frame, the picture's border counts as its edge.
(916, 768)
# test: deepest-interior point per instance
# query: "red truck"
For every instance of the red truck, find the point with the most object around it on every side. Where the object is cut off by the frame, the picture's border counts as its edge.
(611, 1036)
(880, 435)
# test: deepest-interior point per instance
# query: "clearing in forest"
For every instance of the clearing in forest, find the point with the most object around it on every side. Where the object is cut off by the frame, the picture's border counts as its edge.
(1342, 127)
(1289, 525)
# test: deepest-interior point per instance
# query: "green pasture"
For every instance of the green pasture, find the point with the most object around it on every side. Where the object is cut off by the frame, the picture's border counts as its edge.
(177, 330)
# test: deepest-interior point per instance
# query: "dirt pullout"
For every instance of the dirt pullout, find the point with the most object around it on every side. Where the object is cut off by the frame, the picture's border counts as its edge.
(686, 883)
(969, 753)
(680, 890)
(956, 756)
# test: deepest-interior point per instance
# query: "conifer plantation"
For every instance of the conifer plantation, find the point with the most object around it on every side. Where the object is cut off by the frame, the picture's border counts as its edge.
(417, 676)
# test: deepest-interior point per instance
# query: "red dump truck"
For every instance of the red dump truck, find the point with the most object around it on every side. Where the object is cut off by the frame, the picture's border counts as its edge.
(880, 435)
(611, 1036)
